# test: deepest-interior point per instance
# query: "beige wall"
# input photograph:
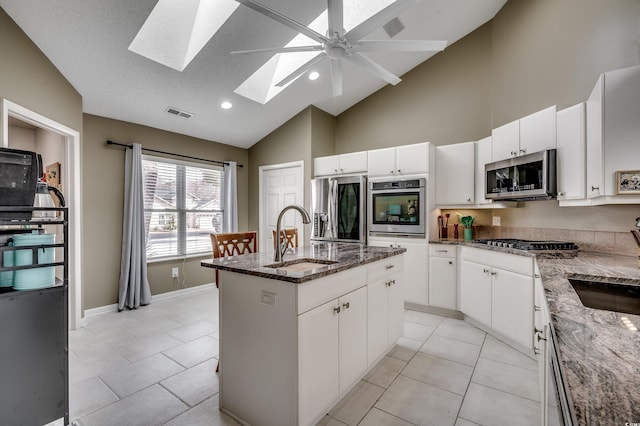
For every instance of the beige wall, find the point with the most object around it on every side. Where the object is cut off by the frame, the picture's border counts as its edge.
(29, 79)
(103, 178)
(444, 100)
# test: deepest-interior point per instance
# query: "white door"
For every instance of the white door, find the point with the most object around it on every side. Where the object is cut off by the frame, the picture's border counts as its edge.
(281, 185)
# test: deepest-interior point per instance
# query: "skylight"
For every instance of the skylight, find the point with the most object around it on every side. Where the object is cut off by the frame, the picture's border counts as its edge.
(176, 31)
(261, 85)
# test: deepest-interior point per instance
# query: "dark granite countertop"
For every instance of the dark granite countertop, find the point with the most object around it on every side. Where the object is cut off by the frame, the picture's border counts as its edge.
(598, 349)
(346, 256)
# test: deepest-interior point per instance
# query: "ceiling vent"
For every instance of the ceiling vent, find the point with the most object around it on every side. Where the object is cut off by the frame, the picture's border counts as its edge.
(393, 27)
(179, 113)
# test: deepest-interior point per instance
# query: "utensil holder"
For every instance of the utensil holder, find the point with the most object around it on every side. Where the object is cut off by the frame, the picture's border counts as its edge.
(468, 234)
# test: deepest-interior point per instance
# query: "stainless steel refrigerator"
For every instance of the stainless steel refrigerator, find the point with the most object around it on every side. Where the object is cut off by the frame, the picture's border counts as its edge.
(338, 209)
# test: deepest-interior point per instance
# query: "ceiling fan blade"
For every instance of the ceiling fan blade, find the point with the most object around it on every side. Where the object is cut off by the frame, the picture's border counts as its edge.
(336, 18)
(284, 20)
(375, 69)
(301, 70)
(280, 50)
(336, 77)
(399, 45)
(378, 20)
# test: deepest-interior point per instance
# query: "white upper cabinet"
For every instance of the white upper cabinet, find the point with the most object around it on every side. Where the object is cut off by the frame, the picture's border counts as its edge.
(612, 132)
(505, 141)
(538, 131)
(455, 174)
(533, 133)
(571, 154)
(401, 160)
(483, 156)
(353, 162)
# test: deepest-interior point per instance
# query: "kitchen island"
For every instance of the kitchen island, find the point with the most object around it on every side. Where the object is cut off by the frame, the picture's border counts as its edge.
(297, 335)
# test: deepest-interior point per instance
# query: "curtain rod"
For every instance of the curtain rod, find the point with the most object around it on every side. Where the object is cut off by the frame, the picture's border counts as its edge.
(171, 153)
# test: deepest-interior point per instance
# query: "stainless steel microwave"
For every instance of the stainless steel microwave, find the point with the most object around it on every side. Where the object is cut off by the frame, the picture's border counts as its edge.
(523, 178)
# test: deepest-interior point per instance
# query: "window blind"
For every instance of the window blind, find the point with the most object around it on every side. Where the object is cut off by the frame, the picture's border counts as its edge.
(183, 205)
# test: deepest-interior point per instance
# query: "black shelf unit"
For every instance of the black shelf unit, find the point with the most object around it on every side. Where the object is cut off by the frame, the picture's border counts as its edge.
(34, 331)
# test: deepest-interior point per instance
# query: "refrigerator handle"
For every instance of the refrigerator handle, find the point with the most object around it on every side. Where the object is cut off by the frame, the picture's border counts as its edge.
(333, 209)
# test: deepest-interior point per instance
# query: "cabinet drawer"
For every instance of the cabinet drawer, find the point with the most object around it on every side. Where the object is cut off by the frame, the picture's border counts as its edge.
(385, 267)
(442, 250)
(506, 261)
(316, 292)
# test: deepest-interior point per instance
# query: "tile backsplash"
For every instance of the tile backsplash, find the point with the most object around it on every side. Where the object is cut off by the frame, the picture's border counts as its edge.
(621, 243)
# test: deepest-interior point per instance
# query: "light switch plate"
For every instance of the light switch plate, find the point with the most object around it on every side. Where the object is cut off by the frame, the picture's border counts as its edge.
(496, 220)
(175, 272)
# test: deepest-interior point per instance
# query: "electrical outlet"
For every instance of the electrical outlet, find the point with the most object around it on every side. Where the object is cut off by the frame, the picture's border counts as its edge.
(175, 272)
(496, 220)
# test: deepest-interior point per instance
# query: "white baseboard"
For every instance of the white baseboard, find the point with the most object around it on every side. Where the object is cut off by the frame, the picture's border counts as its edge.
(158, 297)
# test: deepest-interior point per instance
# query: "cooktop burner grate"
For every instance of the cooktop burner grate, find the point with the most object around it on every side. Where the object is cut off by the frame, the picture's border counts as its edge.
(528, 244)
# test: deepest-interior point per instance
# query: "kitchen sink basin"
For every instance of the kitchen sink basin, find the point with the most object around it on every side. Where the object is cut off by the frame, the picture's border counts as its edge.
(301, 265)
(611, 296)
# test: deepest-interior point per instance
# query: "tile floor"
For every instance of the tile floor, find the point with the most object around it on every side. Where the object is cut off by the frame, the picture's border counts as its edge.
(156, 366)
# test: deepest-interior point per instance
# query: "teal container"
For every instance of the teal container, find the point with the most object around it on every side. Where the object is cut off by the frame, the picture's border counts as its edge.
(6, 277)
(30, 279)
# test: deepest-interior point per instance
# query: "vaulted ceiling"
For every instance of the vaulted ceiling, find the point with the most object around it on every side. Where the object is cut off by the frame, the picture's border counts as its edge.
(89, 40)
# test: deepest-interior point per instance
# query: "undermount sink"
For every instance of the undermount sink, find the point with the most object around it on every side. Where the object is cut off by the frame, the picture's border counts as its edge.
(301, 265)
(611, 296)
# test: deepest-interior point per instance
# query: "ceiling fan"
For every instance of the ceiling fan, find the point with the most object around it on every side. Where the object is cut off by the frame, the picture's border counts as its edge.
(339, 45)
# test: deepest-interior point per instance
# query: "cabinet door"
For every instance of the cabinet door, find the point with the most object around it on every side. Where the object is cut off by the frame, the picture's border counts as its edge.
(416, 267)
(571, 154)
(505, 141)
(538, 131)
(381, 162)
(353, 162)
(352, 337)
(412, 159)
(595, 179)
(378, 319)
(455, 174)
(442, 282)
(323, 166)
(475, 291)
(483, 156)
(621, 104)
(318, 381)
(512, 306)
(395, 308)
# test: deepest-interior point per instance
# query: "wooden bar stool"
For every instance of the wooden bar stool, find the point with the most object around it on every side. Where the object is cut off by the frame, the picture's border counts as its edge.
(291, 236)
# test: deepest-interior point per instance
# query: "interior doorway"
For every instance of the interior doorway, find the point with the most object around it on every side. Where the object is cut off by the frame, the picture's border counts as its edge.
(70, 176)
(280, 186)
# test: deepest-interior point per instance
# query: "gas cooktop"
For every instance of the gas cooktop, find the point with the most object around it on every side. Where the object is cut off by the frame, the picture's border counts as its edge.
(528, 244)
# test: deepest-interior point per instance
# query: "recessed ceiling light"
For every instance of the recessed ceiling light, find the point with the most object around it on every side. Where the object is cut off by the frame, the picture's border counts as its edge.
(226, 105)
(313, 75)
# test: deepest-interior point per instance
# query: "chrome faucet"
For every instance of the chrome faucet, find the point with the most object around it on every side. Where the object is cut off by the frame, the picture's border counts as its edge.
(282, 247)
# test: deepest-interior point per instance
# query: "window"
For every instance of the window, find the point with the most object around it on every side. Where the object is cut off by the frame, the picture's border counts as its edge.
(182, 205)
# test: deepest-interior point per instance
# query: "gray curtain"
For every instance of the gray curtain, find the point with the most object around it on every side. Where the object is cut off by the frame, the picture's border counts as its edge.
(134, 285)
(230, 216)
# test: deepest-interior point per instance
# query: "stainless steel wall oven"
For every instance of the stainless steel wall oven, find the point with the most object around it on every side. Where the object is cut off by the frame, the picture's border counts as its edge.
(397, 206)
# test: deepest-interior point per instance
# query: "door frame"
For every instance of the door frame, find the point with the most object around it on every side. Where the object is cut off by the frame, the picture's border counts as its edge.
(261, 207)
(71, 175)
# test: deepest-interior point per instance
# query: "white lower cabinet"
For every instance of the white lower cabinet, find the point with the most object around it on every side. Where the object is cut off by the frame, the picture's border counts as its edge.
(385, 295)
(443, 276)
(332, 343)
(416, 286)
(496, 289)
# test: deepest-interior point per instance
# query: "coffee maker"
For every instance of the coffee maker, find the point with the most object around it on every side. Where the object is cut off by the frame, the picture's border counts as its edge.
(18, 179)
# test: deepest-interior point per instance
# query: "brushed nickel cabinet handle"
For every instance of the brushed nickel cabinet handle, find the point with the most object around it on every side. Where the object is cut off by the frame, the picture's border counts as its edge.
(345, 305)
(336, 310)
(494, 273)
(595, 188)
(389, 266)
